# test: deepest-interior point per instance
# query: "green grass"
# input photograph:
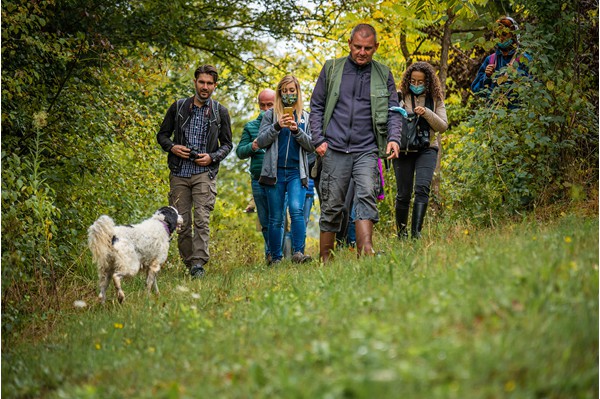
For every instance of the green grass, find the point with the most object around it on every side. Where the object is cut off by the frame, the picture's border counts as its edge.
(510, 312)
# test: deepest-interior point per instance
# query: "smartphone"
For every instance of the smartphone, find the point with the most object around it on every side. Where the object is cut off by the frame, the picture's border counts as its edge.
(289, 111)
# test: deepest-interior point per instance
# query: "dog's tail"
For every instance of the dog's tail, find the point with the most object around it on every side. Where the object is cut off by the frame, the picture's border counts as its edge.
(100, 239)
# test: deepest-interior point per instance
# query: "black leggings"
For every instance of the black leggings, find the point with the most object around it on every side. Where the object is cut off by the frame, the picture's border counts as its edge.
(414, 169)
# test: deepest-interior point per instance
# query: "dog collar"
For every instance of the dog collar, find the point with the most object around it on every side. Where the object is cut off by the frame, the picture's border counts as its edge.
(166, 228)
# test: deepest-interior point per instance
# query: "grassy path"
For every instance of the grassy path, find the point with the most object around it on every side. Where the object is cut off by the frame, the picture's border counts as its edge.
(504, 313)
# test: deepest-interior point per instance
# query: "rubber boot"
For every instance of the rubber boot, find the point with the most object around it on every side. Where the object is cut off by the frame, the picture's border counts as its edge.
(402, 221)
(418, 214)
(326, 244)
(364, 237)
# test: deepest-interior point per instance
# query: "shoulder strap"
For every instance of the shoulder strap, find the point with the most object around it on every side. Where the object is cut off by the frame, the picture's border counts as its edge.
(216, 113)
(180, 104)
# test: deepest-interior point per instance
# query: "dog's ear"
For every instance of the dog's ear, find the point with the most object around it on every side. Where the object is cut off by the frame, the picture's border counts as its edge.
(169, 216)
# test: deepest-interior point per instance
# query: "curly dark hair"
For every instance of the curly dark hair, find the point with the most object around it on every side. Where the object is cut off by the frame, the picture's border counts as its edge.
(432, 82)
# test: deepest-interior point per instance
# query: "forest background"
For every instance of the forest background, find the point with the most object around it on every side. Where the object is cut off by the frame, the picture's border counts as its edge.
(85, 85)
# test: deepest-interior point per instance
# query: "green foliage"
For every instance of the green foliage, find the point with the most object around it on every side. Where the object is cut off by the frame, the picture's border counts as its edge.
(477, 314)
(526, 144)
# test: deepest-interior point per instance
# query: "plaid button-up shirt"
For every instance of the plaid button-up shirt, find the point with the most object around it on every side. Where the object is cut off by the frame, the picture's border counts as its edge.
(196, 136)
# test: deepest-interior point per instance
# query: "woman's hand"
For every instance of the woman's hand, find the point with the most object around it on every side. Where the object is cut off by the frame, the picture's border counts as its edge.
(286, 120)
(419, 110)
(255, 146)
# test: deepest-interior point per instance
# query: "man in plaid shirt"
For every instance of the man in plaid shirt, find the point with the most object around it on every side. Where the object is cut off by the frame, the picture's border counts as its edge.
(196, 133)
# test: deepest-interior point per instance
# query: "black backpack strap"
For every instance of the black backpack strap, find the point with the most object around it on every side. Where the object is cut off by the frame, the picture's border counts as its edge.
(216, 113)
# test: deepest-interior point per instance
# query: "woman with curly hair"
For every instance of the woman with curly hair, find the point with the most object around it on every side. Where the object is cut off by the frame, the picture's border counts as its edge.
(422, 95)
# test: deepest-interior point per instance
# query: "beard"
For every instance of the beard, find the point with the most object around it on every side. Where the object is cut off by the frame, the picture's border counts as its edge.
(202, 97)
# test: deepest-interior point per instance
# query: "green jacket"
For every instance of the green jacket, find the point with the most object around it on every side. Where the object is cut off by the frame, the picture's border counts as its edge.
(383, 95)
(244, 148)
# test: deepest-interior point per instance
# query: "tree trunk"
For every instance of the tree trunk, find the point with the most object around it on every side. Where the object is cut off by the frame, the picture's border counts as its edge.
(443, 74)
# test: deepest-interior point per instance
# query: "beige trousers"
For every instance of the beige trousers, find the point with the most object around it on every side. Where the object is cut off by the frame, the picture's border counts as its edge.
(195, 194)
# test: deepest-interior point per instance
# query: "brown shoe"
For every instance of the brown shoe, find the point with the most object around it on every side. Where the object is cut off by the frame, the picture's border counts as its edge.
(299, 257)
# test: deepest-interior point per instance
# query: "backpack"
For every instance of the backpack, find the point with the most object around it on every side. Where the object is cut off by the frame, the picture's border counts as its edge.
(215, 111)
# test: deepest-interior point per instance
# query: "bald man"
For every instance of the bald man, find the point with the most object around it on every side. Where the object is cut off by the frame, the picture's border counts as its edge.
(248, 148)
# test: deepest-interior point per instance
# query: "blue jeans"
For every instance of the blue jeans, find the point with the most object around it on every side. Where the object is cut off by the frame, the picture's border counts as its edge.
(308, 203)
(288, 181)
(262, 209)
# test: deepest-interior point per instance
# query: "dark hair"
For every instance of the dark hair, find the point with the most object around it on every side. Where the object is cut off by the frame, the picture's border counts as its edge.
(432, 82)
(208, 69)
(368, 29)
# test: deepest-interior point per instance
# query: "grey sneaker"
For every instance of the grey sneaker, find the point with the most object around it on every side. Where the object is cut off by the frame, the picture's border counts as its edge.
(299, 257)
(197, 271)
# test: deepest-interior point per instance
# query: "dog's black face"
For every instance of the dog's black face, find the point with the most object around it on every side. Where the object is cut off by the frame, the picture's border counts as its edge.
(171, 217)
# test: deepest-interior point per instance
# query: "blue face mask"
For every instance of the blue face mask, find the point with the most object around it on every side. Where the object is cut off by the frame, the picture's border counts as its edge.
(505, 45)
(417, 90)
(289, 99)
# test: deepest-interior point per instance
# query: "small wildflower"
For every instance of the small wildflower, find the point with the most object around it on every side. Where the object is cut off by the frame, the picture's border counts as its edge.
(195, 296)
(151, 349)
(573, 266)
(568, 239)
(98, 346)
(127, 341)
(466, 232)
(80, 304)
(510, 386)
(118, 325)
(40, 119)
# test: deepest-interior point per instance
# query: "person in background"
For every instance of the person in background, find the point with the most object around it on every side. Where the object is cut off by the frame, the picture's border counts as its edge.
(505, 55)
(310, 191)
(351, 124)
(421, 93)
(286, 136)
(248, 148)
(196, 134)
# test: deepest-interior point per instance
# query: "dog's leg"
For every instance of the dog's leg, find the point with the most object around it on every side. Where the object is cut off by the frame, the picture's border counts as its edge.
(104, 281)
(153, 270)
(117, 280)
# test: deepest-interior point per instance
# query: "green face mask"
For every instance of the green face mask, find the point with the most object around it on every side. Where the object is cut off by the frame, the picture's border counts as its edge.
(289, 99)
(505, 45)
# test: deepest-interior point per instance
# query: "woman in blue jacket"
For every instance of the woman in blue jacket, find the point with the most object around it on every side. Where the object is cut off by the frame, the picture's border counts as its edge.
(505, 54)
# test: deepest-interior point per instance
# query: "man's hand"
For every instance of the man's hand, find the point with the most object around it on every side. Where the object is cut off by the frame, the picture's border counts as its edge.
(203, 160)
(393, 149)
(255, 146)
(489, 70)
(321, 149)
(181, 151)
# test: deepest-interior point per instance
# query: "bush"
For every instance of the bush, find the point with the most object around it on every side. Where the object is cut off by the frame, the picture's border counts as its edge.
(528, 144)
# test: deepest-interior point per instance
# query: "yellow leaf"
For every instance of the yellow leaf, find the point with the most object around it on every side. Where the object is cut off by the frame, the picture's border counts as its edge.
(378, 15)
(502, 79)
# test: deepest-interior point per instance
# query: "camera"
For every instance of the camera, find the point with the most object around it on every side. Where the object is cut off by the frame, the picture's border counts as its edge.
(194, 153)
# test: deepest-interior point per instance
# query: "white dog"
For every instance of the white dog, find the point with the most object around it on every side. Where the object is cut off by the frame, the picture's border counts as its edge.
(121, 251)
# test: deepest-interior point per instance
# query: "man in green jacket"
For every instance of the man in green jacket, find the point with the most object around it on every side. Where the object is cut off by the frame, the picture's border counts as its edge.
(351, 126)
(248, 148)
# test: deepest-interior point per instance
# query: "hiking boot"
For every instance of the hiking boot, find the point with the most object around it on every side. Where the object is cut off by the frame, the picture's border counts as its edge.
(273, 262)
(299, 257)
(197, 271)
